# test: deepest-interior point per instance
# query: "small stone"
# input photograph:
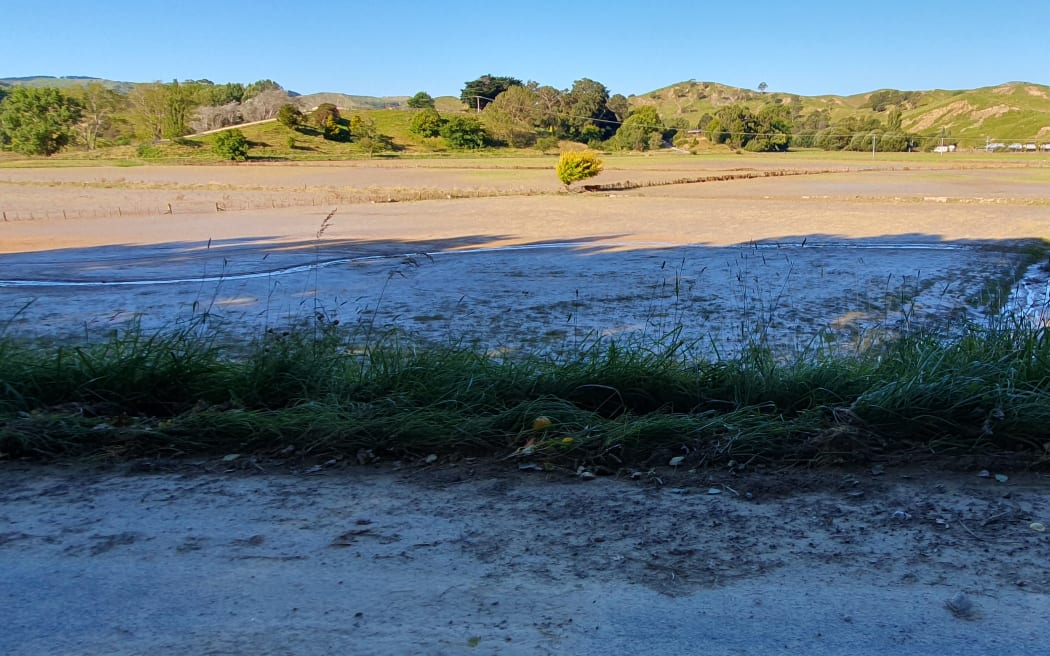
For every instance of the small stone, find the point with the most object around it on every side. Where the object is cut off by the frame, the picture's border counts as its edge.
(675, 461)
(960, 605)
(714, 490)
(1037, 526)
(984, 473)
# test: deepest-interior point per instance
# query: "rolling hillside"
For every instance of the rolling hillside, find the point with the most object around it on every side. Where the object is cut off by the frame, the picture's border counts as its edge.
(1015, 111)
(64, 82)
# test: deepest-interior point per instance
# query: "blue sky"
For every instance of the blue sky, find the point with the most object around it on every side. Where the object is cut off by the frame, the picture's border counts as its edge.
(399, 47)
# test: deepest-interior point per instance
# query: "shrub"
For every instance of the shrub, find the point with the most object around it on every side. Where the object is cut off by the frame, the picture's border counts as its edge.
(289, 116)
(547, 144)
(574, 166)
(464, 132)
(232, 145)
(324, 113)
(147, 151)
(334, 131)
(426, 123)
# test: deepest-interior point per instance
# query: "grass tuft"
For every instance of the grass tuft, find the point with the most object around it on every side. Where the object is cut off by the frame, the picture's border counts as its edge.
(616, 404)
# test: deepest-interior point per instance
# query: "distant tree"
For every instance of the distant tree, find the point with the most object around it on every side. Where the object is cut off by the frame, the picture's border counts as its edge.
(808, 126)
(232, 145)
(619, 106)
(210, 117)
(586, 104)
(426, 123)
(733, 125)
(835, 137)
(99, 105)
(289, 116)
(323, 113)
(216, 95)
(38, 121)
(550, 104)
(421, 100)
(264, 105)
(334, 130)
(762, 86)
(478, 93)
(880, 101)
(370, 139)
(636, 133)
(149, 110)
(180, 104)
(575, 166)
(512, 116)
(257, 87)
(772, 129)
(464, 132)
(894, 120)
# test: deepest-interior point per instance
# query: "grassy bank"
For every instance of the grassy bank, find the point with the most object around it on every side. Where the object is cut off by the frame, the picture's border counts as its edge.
(319, 392)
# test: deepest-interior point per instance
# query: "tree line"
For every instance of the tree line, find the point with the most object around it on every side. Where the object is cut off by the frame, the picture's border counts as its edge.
(43, 120)
(500, 110)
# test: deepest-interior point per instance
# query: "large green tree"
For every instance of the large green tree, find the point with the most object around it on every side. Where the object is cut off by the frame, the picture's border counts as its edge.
(773, 129)
(180, 105)
(324, 114)
(465, 132)
(587, 111)
(421, 100)
(38, 121)
(289, 116)
(638, 130)
(480, 92)
(513, 116)
(426, 123)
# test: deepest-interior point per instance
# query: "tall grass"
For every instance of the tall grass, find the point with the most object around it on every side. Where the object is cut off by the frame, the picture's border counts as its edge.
(324, 391)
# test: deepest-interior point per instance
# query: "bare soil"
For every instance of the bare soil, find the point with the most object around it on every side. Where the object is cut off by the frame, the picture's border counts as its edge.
(782, 260)
(244, 557)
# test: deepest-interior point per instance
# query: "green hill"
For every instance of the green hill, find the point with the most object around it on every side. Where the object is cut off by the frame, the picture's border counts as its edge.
(64, 82)
(344, 101)
(1011, 112)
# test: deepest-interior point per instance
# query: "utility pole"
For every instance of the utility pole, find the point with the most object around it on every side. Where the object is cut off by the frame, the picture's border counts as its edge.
(873, 138)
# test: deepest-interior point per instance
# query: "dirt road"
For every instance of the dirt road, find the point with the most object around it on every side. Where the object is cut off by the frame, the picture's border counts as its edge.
(467, 558)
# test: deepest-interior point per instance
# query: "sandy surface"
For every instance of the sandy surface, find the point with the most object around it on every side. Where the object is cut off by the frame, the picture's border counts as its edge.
(781, 259)
(463, 558)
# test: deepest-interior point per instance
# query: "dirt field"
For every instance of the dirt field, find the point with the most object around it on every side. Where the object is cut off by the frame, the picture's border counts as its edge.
(512, 262)
(463, 557)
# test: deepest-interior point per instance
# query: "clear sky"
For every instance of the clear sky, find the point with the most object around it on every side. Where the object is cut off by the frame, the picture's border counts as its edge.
(399, 47)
